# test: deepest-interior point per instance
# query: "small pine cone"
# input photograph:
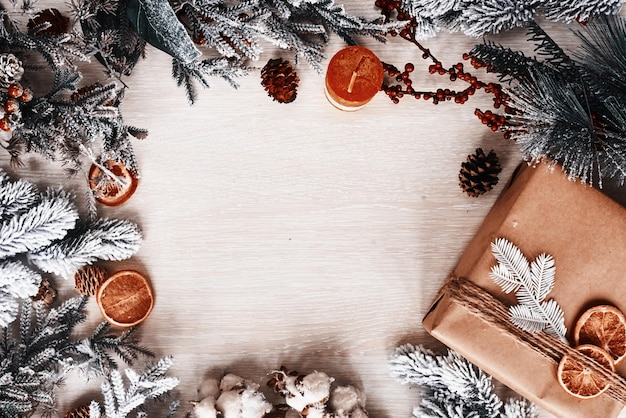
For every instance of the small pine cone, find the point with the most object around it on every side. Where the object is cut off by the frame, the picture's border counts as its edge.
(88, 279)
(280, 80)
(58, 23)
(480, 173)
(11, 69)
(78, 412)
(47, 294)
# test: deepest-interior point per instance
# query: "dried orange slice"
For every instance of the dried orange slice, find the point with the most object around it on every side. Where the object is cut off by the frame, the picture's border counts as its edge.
(604, 326)
(109, 191)
(581, 381)
(125, 299)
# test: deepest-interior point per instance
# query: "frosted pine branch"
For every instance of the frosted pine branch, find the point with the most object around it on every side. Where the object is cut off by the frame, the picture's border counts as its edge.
(451, 386)
(16, 197)
(112, 240)
(16, 282)
(120, 400)
(581, 10)
(496, 16)
(119, 239)
(39, 226)
(478, 17)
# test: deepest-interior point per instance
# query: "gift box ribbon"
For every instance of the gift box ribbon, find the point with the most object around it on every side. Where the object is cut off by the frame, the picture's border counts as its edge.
(482, 304)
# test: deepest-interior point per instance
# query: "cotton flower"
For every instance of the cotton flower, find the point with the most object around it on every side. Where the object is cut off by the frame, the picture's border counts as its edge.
(235, 397)
(348, 402)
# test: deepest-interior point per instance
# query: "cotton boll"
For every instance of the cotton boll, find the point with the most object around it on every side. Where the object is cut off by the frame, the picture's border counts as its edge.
(229, 404)
(315, 387)
(241, 399)
(318, 411)
(311, 389)
(205, 408)
(210, 387)
(254, 404)
(346, 398)
(230, 381)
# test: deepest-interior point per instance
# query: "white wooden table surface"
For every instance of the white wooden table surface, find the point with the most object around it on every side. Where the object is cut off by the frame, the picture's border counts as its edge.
(296, 234)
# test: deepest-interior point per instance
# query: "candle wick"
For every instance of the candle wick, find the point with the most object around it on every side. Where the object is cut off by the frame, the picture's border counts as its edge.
(352, 80)
(355, 74)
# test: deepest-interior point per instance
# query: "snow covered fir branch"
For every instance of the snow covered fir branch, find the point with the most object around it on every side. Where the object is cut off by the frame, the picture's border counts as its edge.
(451, 387)
(478, 18)
(40, 232)
(68, 119)
(567, 106)
(36, 356)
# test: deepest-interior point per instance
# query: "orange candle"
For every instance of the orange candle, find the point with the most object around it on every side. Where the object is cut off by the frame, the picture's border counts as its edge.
(354, 76)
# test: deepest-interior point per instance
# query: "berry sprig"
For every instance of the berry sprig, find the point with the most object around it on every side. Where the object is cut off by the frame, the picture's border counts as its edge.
(12, 99)
(404, 85)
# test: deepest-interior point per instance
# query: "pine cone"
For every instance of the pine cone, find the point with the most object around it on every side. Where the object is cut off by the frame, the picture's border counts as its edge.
(88, 279)
(11, 69)
(47, 294)
(78, 412)
(58, 22)
(480, 173)
(280, 80)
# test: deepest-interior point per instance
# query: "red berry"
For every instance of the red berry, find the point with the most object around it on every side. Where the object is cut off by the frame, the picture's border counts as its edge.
(5, 125)
(26, 96)
(11, 105)
(15, 90)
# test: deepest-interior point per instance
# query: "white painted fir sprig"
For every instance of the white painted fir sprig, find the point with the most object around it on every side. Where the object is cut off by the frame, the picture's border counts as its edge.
(531, 282)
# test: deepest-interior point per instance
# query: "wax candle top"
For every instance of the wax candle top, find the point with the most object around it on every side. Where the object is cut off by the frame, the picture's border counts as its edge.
(354, 76)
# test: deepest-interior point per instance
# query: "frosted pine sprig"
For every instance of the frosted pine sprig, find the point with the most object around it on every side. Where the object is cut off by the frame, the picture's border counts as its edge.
(39, 226)
(479, 17)
(120, 401)
(111, 240)
(16, 282)
(451, 386)
(16, 197)
(531, 282)
(119, 239)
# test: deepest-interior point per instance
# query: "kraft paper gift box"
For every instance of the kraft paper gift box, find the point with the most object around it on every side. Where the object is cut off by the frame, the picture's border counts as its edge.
(540, 211)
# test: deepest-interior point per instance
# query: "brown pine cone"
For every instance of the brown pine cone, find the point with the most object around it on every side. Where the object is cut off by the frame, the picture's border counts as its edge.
(280, 80)
(78, 412)
(88, 279)
(58, 23)
(480, 173)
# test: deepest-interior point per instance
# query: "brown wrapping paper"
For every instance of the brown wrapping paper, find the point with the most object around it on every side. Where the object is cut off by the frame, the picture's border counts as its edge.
(585, 231)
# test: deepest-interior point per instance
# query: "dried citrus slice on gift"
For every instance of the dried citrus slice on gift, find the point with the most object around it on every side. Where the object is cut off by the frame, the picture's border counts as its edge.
(109, 191)
(125, 299)
(604, 326)
(581, 381)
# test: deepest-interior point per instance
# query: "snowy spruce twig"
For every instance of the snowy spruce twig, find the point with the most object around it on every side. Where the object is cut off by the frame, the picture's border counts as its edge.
(452, 387)
(121, 399)
(479, 17)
